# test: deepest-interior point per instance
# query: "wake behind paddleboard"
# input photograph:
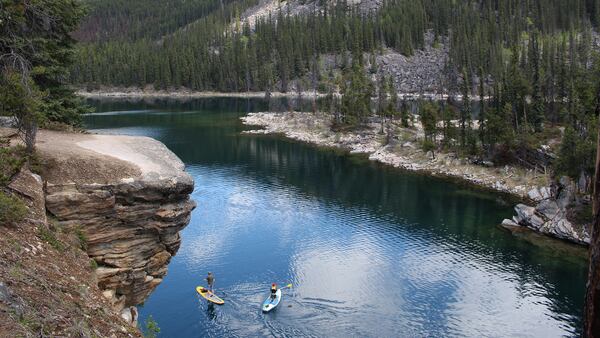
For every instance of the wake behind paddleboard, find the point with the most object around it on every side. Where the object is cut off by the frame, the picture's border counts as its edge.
(271, 303)
(209, 295)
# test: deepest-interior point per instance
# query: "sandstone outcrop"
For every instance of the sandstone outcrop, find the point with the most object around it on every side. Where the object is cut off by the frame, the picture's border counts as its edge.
(128, 196)
(47, 285)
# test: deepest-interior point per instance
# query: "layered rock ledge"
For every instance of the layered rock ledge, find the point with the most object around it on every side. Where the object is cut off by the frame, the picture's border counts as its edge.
(128, 196)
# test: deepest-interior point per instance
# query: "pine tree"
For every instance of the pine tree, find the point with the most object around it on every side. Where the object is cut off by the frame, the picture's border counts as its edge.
(429, 117)
(35, 50)
(538, 107)
(482, 107)
(465, 112)
(357, 95)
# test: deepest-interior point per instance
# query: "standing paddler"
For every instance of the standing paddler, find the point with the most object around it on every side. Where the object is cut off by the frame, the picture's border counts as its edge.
(210, 280)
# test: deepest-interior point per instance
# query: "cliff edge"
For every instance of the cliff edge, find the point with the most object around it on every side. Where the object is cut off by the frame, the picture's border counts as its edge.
(128, 195)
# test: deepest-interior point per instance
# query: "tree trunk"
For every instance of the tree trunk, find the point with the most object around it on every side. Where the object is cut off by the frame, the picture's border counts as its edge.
(27, 127)
(591, 315)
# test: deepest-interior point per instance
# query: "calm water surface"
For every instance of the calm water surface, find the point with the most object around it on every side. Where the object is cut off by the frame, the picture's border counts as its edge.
(371, 251)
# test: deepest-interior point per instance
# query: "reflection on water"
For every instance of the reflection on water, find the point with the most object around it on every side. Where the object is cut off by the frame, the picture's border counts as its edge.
(371, 251)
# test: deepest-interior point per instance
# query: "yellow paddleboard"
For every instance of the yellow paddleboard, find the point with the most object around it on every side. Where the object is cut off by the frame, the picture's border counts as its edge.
(209, 296)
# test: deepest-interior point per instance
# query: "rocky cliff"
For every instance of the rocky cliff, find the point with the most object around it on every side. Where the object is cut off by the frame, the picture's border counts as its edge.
(129, 197)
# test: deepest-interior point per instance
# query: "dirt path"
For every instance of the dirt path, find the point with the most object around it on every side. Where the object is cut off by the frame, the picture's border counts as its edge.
(101, 159)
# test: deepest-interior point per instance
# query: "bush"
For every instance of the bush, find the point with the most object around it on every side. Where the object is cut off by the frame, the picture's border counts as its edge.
(11, 161)
(48, 236)
(429, 146)
(93, 264)
(12, 209)
(82, 238)
(151, 329)
(577, 152)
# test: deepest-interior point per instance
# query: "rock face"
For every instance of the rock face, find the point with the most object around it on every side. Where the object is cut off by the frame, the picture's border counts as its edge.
(129, 197)
(29, 186)
(422, 72)
(10, 302)
(550, 215)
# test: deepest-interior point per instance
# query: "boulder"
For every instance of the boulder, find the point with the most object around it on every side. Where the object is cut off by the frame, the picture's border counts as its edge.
(564, 228)
(130, 315)
(549, 216)
(10, 301)
(535, 195)
(508, 223)
(545, 192)
(524, 212)
(527, 216)
(548, 208)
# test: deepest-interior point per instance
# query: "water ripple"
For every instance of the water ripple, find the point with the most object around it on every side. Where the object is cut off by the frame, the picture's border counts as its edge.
(370, 252)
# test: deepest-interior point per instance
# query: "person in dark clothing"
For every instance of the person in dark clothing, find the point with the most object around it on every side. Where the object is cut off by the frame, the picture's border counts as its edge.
(210, 279)
(273, 290)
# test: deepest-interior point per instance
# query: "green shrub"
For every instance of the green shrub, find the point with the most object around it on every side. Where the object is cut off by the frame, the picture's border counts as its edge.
(12, 209)
(429, 146)
(577, 152)
(82, 238)
(58, 126)
(93, 264)
(48, 236)
(11, 161)
(151, 329)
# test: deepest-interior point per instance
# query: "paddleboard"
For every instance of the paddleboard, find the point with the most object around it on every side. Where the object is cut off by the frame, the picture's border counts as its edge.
(209, 295)
(271, 303)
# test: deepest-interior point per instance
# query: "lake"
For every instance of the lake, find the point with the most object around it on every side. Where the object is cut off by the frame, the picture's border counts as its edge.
(371, 251)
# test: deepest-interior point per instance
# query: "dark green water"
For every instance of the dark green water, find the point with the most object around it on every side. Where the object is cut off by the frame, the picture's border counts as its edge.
(371, 251)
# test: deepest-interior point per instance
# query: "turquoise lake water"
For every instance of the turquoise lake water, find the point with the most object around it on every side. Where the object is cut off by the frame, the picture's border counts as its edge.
(371, 251)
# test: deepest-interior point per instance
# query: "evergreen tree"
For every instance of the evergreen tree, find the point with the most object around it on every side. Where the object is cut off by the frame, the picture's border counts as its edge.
(35, 52)
(357, 96)
(465, 112)
(429, 117)
(482, 107)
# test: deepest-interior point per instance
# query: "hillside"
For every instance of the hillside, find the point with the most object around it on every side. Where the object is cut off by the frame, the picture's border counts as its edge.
(536, 64)
(139, 19)
(213, 45)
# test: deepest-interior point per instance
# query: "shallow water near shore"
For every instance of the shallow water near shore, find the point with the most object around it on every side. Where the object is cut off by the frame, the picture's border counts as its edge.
(371, 251)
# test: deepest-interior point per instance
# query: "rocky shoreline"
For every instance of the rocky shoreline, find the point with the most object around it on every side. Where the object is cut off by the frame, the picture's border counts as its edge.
(183, 93)
(404, 152)
(549, 214)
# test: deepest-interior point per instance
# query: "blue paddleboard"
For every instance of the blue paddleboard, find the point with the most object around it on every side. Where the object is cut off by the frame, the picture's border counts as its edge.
(271, 303)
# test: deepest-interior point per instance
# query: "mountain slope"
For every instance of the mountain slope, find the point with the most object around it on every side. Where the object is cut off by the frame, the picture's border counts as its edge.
(267, 46)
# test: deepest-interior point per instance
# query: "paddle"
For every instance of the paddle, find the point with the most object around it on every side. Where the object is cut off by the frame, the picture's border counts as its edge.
(287, 286)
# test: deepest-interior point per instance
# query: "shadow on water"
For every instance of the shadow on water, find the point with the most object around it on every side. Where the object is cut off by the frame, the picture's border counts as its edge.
(430, 251)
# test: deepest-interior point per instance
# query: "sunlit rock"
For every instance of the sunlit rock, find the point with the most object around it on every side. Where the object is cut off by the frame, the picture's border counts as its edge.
(129, 197)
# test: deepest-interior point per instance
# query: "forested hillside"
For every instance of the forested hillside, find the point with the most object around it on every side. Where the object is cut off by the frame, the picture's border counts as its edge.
(130, 49)
(132, 20)
(536, 59)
